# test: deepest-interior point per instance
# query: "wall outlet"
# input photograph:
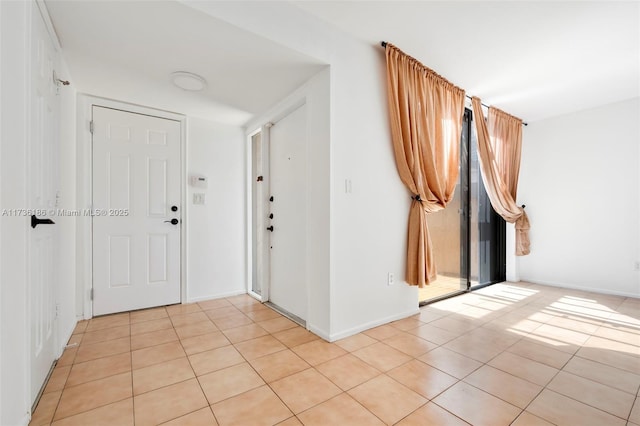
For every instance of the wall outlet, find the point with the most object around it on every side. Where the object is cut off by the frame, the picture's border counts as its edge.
(198, 198)
(636, 266)
(390, 279)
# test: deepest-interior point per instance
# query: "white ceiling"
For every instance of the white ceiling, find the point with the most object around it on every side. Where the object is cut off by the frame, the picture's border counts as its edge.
(126, 50)
(533, 59)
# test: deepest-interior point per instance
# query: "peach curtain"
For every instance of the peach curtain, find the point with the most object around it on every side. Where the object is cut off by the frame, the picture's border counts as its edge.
(499, 151)
(425, 112)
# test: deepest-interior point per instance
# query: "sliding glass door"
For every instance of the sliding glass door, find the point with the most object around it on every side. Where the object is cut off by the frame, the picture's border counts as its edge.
(468, 236)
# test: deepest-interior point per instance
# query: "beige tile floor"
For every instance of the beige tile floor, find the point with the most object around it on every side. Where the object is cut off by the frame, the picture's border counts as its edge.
(508, 354)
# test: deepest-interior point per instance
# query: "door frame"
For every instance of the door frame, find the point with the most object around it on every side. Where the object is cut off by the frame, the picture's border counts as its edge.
(85, 195)
(266, 122)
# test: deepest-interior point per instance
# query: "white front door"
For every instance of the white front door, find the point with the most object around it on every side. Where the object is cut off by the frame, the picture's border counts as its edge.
(136, 196)
(288, 177)
(43, 188)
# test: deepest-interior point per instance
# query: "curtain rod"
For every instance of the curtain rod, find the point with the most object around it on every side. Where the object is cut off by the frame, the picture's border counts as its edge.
(384, 44)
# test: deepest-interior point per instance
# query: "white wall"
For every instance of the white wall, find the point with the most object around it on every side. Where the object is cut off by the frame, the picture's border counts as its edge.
(14, 355)
(580, 180)
(216, 231)
(368, 225)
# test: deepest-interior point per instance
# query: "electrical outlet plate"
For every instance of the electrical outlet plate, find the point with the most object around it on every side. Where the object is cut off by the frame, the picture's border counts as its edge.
(390, 279)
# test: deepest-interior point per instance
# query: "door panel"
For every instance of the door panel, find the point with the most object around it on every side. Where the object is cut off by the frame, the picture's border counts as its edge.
(136, 180)
(288, 176)
(43, 186)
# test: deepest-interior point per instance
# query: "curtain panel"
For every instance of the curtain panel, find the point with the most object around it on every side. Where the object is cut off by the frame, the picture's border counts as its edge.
(425, 112)
(499, 152)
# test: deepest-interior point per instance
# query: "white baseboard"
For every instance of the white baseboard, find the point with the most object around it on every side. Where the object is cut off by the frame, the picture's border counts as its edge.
(215, 296)
(355, 330)
(581, 288)
(318, 332)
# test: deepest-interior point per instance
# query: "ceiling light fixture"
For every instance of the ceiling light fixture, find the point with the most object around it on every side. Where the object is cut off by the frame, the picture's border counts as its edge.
(188, 81)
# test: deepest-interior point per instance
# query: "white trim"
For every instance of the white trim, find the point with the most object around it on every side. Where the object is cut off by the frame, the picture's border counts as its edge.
(216, 296)
(525, 281)
(84, 116)
(355, 330)
(46, 17)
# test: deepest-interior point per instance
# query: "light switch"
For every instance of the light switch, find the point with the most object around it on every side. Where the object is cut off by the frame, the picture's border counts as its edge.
(198, 198)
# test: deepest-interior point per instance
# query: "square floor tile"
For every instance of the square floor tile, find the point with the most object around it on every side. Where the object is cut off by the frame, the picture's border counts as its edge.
(433, 334)
(382, 332)
(229, 382)
(318, 351)
(257, 407)
(505, 386)
(340, 410)
(156, 354)
(355, 342)
(432, 414)
(410, 344)
(595, 394)
(119, 413)
(206, 305)
(58, 378)
(46, 409)
(278, 365)
(105, 334)
(528, 419)
(295, 336)
(195, 329)
(99, 368)
(215, 359)
(189, 319)
(204, 342)
(107, 321)
(222, 312)
(561, 410)
(524, 368)
(476, 407)
(232, 321)
(153, 338)
(347, 371)
(102, 349)
(261, 346)
(246, 332)
(290, 390)
(90, 395)
(160, 375)
(544, 354)
(422, 378)
(148, 315)
(182, 309)
(603, 373)
(382, 357)
(450, 362)
(151, 325)
(262, 314)
(162, 405)
(277, 324)
(202, 417)
(635, 412)
(387, 399)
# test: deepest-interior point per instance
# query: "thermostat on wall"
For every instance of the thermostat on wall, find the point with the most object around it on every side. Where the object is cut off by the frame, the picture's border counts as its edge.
(198, 181)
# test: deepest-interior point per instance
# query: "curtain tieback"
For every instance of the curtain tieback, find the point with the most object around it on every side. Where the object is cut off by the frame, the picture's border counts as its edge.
(416, 197)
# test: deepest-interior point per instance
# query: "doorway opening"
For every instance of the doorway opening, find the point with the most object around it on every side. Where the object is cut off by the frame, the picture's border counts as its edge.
(468, 236)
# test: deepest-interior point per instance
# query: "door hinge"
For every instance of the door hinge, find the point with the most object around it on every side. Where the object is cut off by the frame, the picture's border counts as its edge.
(91, 294)
(91, 127)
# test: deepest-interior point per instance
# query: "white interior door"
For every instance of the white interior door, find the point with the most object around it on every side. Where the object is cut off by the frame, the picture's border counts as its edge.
(43, 186)
(288, 187)
(136, 195)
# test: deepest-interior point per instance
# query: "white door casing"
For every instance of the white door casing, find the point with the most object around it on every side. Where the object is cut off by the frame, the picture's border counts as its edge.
(43, 178)
(136, 182)
(288, 187)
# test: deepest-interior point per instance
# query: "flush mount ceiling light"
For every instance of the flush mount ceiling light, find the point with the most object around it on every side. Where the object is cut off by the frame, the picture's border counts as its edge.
(188, 81)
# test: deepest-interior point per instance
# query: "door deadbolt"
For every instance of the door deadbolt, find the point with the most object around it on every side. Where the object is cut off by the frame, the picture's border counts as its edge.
(174, 208)
(271, 216)
(271, 198)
